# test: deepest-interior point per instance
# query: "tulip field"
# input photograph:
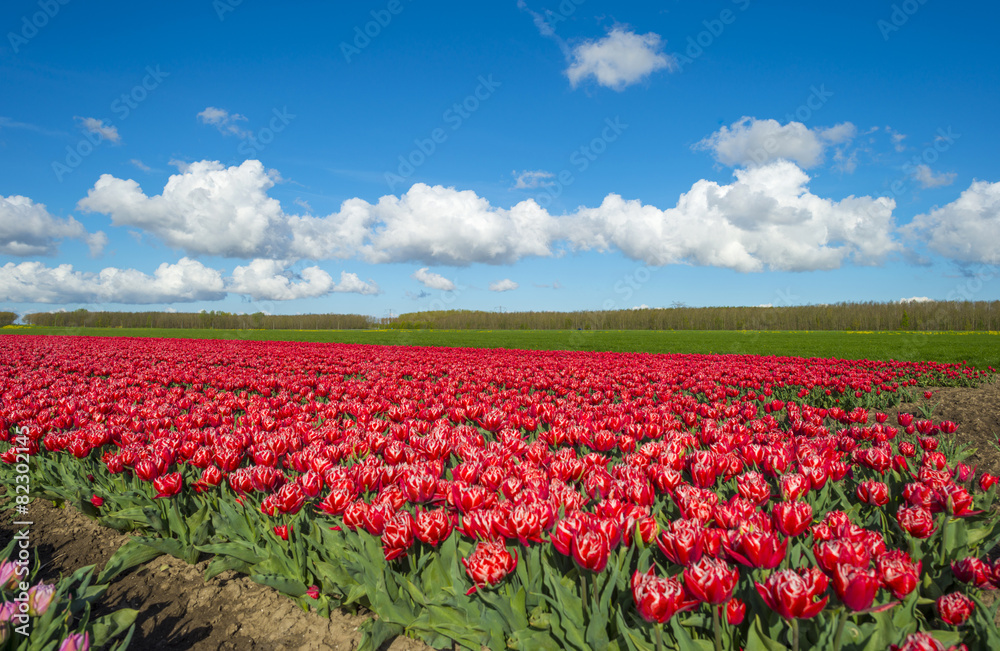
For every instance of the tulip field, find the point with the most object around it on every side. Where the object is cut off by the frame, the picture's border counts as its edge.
(525, 500)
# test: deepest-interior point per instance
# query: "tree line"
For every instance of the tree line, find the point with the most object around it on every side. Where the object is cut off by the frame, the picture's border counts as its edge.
(972, 316)
(205, 320)
(979, 316)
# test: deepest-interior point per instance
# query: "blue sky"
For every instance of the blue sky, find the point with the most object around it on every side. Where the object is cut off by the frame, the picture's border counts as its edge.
(535, 155)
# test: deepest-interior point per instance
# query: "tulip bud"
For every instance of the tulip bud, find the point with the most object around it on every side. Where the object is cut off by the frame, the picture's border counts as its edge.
(736, 610)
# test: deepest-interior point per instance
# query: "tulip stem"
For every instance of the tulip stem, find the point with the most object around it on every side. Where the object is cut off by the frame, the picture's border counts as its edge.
(944, 527)
(840, 630)
(584, 597)
(795, 634)
(659, 636)
(717, 627)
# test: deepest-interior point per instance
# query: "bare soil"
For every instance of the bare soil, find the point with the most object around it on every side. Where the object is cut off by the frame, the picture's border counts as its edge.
(180, 610)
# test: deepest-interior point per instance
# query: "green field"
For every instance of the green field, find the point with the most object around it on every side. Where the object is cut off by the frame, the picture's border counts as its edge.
(978, 349)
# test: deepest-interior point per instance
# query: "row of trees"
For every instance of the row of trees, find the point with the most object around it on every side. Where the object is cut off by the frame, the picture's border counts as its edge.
(7, 318)
(932, 315)
(211, 320)
(935, 315)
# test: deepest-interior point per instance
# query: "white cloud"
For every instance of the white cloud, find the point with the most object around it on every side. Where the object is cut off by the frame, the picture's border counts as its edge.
(207, 209)
(504, 285)
(964, 230)
(527, 180)
(213, 210)
(897, 139)
(106, 131)
(224, 121)
(928, 179)
(138, 163)
(185, 281)
(766, 218)
(33, 282)
(272, 280)
(432, 280)
(620, 59)
(27, 228)
(916, 299)
(429, 224)
(750, 141)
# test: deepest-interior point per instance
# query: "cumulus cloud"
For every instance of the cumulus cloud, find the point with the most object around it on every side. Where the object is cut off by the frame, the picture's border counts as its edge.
(432, 280)
(224, 121)
(27, 228)
(184, 281)
(207, 209)
(928, 179)
(527, 180)
(964, 230)
(916, 299)
(766, 218)
(749, 142)
(504, 285)
(272, 280)
(106, 131)
(214, 210)
(618, 60)
(34, 282)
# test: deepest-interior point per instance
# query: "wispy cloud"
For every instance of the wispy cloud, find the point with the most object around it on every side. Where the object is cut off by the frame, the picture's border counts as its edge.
(224, 121)
(107, 131)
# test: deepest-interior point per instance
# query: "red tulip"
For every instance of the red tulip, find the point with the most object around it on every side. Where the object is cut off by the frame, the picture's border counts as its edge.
(397, 536)
(973, 570)
(855, 586)
(658, 599)
(898, 572)
(872, 492)
(711, 580)
(281, 531)
(916, 521)
(840, 551)
(682, 543)
(488, 565)
(793, 486)
(432, 527)
(986, 480)
(795, 594)
(924, 642)
(955, 608)
(591, 549)
(168, 485)
(755, 548)
(97, 501)
(736, 610)
(146, 469)
(754, 487)
(290, 498)
(792, 518)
